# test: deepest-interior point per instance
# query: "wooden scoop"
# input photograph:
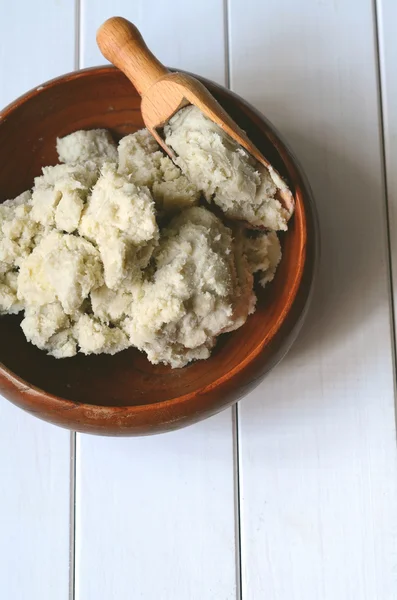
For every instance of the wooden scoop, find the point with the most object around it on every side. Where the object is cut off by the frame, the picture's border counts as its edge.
(164, 93)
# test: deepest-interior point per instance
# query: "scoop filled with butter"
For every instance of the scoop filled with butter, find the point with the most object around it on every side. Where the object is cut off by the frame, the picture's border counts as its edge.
(198, 134)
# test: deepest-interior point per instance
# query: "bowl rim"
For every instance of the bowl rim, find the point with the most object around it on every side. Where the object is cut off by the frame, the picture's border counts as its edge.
(59, 403)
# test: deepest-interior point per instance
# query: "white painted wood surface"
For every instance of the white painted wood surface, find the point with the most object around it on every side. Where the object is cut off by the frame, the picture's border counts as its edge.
(159, 510)
(317, 455)
(157, 517)
(34, 456)
(387, 25)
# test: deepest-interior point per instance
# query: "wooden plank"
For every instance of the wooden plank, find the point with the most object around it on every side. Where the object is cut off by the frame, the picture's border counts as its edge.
(155, 516)
(37, 43)
(386, 21)
(318, 453)
(173, 31)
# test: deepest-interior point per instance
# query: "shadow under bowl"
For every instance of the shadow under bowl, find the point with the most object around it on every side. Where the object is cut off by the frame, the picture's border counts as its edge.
(124, 394)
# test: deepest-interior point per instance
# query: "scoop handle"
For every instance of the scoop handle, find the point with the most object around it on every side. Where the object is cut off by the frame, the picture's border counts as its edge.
(122, 44)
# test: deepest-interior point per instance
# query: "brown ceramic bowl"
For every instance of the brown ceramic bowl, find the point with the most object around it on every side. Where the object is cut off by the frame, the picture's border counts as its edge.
(124, 394)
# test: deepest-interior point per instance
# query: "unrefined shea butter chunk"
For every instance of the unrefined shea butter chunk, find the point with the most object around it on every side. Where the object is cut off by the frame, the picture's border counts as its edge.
(110, 249)
(224, 171)
(18, 231)
(9, 303)
(62, 268)
(18, 236)
(244, 295)
(120, 218)
(263, 252)
(140, 157)
(114, 305)
(190, 299)
(81, 146)
(94, 337)
(49, 328)
(60, 193)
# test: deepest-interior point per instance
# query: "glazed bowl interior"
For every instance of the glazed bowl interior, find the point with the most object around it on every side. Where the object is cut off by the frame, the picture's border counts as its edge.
(104, 98)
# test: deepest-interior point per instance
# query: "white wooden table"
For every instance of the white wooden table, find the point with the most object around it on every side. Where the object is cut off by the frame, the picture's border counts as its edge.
(293, 495)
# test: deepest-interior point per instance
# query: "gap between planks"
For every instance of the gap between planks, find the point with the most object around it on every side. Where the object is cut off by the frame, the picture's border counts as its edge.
(380, 77)
(72, 516)
(235, 409)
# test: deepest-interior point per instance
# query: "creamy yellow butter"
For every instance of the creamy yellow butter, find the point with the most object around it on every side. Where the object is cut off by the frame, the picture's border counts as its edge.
(224, 171)
(111, 249)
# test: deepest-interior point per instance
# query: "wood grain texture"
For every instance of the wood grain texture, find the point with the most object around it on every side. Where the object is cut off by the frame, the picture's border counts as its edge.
(386, 29)
(166, 504)
(34, 456)
(318, 452)
(121, 43)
